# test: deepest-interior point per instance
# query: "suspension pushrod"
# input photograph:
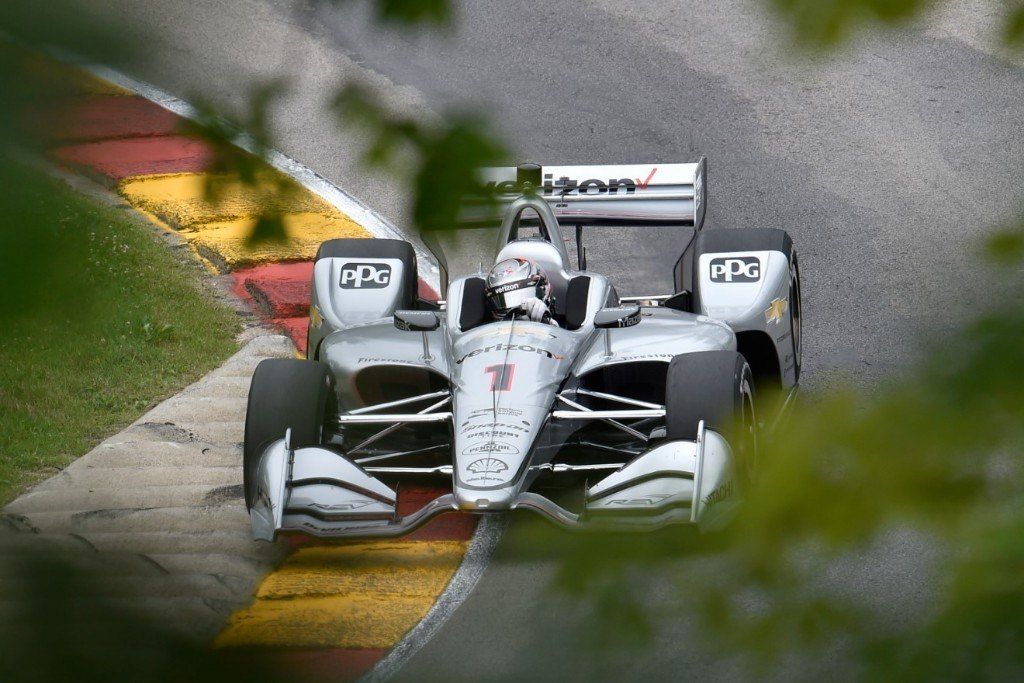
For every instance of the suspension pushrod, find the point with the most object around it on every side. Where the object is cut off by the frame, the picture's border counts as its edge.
(397, 417)
(399, 402)
(608, 417)
(620, 399)
(384, 432)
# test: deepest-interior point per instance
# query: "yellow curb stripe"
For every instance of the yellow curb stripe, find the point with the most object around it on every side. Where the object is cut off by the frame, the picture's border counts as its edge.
(305, 233)
(218, 230)
(180, 200)
(365, 595)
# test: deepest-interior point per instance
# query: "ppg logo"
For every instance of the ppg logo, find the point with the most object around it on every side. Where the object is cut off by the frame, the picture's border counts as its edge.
(365, 275)
(736, 269)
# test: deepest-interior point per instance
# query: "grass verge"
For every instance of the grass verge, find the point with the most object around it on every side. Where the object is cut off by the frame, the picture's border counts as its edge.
(100, 321)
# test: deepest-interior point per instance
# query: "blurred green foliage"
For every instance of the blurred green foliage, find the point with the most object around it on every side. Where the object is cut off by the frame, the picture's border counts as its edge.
(408, 14)
(1013, 28)
(65, 618)
(438, 161)
(823, 24)
(936, 450)
(230, 164)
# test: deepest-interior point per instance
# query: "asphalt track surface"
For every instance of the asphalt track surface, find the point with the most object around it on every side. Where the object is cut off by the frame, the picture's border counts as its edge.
(886, 163)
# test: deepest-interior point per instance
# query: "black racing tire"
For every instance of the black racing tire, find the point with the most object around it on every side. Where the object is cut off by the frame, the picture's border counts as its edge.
(796, 310)
(708, 386)
(285, 393)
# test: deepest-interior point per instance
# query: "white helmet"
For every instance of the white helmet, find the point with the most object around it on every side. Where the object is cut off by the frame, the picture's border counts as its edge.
(513, 281)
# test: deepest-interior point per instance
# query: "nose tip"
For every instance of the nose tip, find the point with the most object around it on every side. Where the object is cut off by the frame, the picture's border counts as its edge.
(480, 501)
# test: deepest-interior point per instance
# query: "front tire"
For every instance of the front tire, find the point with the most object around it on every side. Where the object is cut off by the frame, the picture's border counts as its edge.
(716, 387)
(285, 393)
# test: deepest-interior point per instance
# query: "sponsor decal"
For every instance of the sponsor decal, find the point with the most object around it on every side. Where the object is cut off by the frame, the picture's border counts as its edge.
(368, 359)
(347, 506)
(365, 276)
(521, 330)
(511, 412)
(776, 311)
(627, 316)
(565, 186)
(636, 502)
(468, 426)
(647, 181)
(736, 269)
(512, 286)
(486, 469)
(489, 433)
(527, 348)
(648, 356)
(487, 466)
(501, 376)
(491, 447)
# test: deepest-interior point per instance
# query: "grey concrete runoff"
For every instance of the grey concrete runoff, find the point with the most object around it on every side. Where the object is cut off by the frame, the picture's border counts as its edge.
(157, 509)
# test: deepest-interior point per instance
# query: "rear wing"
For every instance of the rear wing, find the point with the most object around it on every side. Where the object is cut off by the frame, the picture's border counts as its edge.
(637, 194)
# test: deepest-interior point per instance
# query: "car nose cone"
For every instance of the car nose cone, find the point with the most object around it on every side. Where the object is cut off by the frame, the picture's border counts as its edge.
(478, 500)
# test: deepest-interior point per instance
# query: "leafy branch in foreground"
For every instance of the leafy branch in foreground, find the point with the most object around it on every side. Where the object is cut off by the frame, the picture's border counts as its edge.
(409, 13)
(439, 162)
(936, 453)
(821, 24)
(231, 165)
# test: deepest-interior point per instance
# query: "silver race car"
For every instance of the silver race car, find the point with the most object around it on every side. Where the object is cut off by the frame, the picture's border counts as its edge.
(609, 412)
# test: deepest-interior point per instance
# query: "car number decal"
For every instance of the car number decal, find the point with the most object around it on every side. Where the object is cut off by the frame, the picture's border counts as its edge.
(501, 376)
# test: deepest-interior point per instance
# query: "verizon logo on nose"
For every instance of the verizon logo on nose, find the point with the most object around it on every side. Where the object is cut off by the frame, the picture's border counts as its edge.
(736, 269)
(365, 275)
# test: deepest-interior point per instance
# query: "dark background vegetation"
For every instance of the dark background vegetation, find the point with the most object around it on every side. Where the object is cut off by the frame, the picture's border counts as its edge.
(935, 451)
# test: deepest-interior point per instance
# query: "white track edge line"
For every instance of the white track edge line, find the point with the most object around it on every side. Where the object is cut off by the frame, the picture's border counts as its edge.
(488, 532)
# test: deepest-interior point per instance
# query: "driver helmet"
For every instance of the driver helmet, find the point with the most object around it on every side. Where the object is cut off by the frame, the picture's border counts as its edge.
(513, 281)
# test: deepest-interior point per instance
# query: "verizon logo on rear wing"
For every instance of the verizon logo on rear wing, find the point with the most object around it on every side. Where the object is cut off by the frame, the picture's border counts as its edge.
(627, 193)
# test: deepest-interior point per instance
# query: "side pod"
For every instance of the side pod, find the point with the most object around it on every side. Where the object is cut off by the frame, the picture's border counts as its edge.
(677, 481)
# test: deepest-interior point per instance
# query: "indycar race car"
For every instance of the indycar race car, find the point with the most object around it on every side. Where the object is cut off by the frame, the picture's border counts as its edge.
(619, 413)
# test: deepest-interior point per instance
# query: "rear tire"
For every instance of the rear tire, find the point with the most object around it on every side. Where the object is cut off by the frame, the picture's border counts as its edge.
(716, 387)
(796, 314)
(285, 393)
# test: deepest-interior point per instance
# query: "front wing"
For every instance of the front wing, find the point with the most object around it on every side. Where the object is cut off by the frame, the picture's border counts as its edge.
(318, 491)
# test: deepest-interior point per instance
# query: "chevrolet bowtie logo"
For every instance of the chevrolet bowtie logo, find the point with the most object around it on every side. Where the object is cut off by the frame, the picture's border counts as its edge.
(777, 309)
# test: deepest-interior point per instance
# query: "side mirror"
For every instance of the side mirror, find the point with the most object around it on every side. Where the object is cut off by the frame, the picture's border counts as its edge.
(617, 316)
(417, 321)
